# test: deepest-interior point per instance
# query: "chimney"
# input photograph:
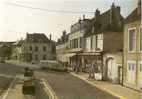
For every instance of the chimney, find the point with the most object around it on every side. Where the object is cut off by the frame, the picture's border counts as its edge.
(83, 17)
(113, 6)
(64, 32)
(79, 20)
(97, 13)
(50, 36)
(139, 7)
(118, 9)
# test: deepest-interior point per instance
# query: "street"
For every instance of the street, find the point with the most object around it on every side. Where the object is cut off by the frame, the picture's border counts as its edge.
(65, 85)
(7, 74)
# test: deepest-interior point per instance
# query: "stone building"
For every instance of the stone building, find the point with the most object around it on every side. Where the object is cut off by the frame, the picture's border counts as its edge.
(132, 60)
(36, 47)
(104, 44)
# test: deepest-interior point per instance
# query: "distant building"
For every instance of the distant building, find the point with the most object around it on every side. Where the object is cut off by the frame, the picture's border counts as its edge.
(62, 48)
(6, 49)
(35, 47)
(132, 69)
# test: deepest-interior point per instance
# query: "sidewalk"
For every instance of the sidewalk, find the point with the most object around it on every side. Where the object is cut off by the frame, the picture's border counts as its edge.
(23, 64)
(114, 89)
(14, 91)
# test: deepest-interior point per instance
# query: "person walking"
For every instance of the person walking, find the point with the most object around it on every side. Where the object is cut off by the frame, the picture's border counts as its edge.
(89, 68)
(93, 66)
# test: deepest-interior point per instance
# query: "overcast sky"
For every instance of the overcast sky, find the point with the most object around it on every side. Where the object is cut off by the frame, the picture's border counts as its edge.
(49, 16)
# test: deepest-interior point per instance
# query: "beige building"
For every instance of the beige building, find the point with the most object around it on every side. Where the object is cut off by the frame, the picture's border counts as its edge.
(76, 40)
(133, 50)
(35, 47)
(62, 48)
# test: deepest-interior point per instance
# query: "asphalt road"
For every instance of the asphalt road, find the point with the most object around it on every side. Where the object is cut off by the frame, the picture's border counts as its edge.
(67, 86)
(40, 92)
(7, 74)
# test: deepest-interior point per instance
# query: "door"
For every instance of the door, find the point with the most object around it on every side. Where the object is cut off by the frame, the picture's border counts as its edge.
(131, 76)
(111, 69)
(109, 72)
(112, 72)
(120, 74)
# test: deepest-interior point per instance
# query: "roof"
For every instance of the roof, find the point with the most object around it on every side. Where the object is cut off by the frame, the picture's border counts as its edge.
(18, 43)
(134, 16)
(37, 38)
(81, 24)
(111, 20)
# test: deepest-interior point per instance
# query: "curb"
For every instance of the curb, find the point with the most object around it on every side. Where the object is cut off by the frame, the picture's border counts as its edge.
(104, 89)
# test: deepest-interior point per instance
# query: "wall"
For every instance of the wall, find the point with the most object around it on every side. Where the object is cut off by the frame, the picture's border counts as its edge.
(132, 56)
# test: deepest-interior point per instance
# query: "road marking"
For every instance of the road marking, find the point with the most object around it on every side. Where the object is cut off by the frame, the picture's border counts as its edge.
(104, 89)
(10, 86)
(49, 90)
(7, 76)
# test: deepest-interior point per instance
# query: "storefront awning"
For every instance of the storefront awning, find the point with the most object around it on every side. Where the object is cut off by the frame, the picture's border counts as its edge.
(88, 53)
(70, 55)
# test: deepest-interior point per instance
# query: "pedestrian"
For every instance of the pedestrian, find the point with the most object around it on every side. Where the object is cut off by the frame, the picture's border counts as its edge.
(93, 69)
(74, 65)
(89, 68)
(77, 67)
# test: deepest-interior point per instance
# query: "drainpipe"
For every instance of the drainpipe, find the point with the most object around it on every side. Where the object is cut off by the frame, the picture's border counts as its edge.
(122, 68)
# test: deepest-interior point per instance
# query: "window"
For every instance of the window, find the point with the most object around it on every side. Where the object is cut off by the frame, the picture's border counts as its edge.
(36, 57)
(99, 41)
(140, 38)
(44, 57)
(91, 42)
(131, 66)
(81, 42)
(30, 48)
(36, 48)
(88, 43)
(44, 48)
(132, 40)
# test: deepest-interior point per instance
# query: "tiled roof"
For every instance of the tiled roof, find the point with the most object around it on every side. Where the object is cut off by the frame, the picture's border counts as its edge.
(134, 16)
(37, 38)
(81, 24)
(106, 21)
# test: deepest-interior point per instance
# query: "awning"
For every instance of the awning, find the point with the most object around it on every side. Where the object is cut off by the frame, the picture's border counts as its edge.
(70, 55)
(88, 53)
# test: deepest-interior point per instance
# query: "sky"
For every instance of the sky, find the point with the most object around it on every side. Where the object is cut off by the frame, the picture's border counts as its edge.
(17, 17)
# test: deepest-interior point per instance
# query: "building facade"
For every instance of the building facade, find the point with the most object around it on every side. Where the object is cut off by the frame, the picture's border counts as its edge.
(36, 47)
(133, 50)
(76, 40)
(62, 48)
(104, 44)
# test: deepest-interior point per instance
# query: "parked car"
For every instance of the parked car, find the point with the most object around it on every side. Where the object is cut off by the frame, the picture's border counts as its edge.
(52, 65)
